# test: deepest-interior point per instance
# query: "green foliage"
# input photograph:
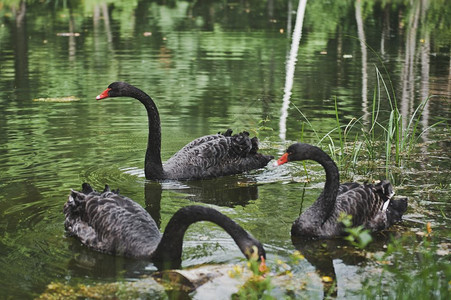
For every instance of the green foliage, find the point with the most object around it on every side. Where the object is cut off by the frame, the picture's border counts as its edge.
(356, 143)
(412, 270)
(255, 288)
(115, 290)
(262, 126)
(258, 286)
(261, 284)
(357, 236)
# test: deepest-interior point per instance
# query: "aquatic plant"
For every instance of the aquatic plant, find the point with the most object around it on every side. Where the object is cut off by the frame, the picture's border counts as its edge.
(358, 236)
(384, 140)
(412, 269)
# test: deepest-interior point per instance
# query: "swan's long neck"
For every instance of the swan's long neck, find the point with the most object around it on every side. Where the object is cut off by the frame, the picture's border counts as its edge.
(324, 205)
(330, 187)
(170, 246)
(153, 167)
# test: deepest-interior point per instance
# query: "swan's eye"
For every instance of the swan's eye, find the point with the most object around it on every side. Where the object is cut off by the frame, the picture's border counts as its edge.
(252, 252)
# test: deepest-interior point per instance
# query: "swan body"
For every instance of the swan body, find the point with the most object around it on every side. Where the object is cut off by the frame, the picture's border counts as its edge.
(206, 157)
(111, 223)
(370, 205)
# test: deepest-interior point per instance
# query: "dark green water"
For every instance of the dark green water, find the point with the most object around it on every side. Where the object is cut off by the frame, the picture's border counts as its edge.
(209, 66)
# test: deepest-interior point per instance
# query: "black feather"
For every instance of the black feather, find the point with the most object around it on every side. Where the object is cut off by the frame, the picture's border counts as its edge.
(364, 202)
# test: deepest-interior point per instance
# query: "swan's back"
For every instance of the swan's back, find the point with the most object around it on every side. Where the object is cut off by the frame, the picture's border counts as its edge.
(111, 223)
(372, 205)
(369, 205)
(362, 201)
(216, 155)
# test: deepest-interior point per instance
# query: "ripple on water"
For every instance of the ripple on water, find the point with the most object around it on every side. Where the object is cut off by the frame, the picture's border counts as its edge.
(112, 175)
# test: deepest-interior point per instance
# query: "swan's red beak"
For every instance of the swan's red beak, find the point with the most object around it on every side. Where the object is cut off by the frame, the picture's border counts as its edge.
(283, 159)
(263, 268)
(104, 94)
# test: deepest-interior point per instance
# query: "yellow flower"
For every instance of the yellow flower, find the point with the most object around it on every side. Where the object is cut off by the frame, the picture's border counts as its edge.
(298, 255)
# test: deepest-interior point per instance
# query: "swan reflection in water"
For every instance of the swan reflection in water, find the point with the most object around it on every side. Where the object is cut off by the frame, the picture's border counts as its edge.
(227, 191)
(339, 263)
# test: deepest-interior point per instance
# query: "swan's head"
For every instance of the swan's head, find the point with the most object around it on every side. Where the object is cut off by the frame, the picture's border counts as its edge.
(116, 89)
(254, 250)
(299, 151)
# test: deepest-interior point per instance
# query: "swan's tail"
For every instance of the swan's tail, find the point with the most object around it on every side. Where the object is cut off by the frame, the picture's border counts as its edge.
(86, 188)
(75, 207)
(228, 132)
(393, 208)
(242, 145)
(396, 208)
(245, 150)
(384, 189)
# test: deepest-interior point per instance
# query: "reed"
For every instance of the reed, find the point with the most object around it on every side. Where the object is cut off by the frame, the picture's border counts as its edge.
(424, 275)
(385, 139)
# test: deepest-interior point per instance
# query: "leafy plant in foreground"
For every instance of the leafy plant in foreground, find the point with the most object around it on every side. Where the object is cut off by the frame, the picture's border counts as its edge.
(357, 236)
(412, 270)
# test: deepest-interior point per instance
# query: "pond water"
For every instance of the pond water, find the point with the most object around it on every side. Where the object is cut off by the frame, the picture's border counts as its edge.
(209, 66)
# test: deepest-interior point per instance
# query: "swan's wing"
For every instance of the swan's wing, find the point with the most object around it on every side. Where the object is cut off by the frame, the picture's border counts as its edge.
(216, 155)
(365, 203)
(203, 141)
(344, 187)
(194, 144)
(111, 223)
(360, 202)
(199, 158)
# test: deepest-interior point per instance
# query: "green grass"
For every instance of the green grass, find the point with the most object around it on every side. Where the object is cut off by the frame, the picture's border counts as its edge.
(386, 141)
(415, 266)
(411, 269)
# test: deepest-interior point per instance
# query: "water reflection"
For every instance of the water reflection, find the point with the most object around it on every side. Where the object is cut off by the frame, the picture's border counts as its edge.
(290, 66)
(87, 262)
(363, 50)
(152, 194)
(339, 263)
(211, 65)
(408, 74)
(425, 69)
(225, 191)
(21, 51)
(323, 253)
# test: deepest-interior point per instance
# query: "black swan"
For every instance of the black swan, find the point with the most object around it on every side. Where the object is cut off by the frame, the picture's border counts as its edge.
(370, 205)
(114, 224)
(206, 157)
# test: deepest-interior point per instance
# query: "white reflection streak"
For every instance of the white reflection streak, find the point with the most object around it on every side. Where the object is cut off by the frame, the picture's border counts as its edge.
(291, 63)
(361, 33)
(425, 49)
